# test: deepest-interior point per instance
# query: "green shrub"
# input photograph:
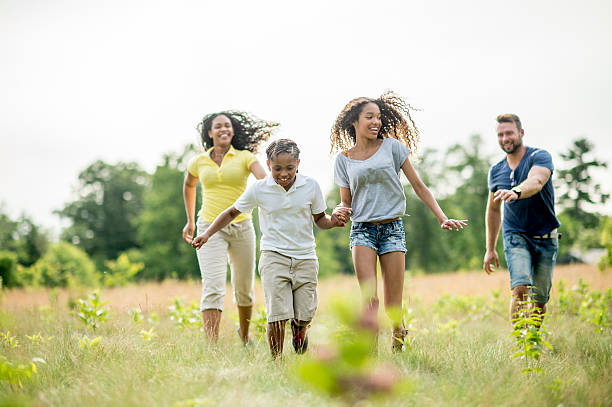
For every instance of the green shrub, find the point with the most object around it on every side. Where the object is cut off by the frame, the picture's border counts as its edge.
(121, 271)
(65, 265)
(8, 268)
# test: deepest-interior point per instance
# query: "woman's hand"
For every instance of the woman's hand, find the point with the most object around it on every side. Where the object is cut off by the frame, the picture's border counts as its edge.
(340, 215)
(450, 224)
(188, 232)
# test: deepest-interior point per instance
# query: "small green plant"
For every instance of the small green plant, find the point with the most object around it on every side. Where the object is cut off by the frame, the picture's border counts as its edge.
(91, 311)
(185, 316)
(153, 318)
(86, 343)
(39, 339)
(136, 315)
(148, 335)
(529, 336)
(46, 313)
(450, 328)
(259, 323)
(8, 340)
(15, 374)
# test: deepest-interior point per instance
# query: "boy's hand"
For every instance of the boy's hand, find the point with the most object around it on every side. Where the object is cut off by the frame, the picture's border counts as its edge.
(199, 241)
(340, 215)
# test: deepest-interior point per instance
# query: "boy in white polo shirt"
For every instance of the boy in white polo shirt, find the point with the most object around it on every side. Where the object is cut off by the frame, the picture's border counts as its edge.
(288, 265)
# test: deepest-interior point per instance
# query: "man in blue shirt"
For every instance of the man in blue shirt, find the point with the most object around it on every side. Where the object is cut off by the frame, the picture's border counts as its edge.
(522, 180)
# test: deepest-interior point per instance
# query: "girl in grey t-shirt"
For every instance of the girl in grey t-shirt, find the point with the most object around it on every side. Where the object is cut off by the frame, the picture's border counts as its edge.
(375, 138)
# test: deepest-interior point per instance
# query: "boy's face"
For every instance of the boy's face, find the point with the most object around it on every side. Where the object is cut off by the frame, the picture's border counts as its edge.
(283, 168)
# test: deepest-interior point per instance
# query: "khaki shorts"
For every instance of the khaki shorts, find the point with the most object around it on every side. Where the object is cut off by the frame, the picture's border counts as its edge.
(290, 286)
(238, 241)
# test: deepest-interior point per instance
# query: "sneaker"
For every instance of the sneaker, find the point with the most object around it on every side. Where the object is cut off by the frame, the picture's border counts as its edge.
(300, 339)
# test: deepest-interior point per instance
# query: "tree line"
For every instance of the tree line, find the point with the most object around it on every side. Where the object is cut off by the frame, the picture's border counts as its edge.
(125, 223)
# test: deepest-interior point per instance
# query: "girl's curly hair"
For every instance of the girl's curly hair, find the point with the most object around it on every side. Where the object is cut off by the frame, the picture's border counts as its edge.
(249, 131)
(395, 117)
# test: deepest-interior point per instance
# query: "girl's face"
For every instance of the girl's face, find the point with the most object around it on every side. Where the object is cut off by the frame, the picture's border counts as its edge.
(368, 124)
(283, 168)
(221, 131)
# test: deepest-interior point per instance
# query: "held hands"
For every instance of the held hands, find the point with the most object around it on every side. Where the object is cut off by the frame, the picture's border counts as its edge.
(506, 195)
(450, 224)
(340, 215)
(200, 241)
(188, 232)
(490, 261)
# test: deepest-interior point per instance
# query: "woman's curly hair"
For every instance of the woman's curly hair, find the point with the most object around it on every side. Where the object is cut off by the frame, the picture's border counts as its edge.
(395, 117)
(249, 131)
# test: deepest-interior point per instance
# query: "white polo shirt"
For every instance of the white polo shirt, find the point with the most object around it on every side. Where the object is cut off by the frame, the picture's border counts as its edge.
(285, 217)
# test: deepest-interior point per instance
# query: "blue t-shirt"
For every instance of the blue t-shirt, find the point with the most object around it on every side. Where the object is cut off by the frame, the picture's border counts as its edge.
(534, 216)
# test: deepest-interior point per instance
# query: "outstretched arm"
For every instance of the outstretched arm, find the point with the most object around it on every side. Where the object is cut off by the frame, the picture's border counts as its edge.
(428, 199)
(219, 223)
(537, 177)
(493, 220)
(189, 196)
(339, 217)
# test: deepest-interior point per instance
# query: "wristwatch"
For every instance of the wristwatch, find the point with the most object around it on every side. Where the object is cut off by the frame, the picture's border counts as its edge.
(517, 191)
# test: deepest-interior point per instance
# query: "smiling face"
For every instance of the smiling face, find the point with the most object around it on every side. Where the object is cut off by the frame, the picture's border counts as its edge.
(221, 131)
(368, 124)
(509, 137)
(283, 168)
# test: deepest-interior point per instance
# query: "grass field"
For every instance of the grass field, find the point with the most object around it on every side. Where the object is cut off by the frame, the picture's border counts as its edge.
(460, 353)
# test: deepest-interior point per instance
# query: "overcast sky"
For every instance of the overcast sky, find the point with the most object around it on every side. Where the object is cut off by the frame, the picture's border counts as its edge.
(128, 80)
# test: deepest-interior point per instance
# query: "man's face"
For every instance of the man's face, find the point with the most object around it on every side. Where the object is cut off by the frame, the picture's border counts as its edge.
(509, 137)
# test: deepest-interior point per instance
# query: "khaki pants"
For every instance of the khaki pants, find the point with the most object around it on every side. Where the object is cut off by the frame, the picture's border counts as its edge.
(290, 286)
(238, 241)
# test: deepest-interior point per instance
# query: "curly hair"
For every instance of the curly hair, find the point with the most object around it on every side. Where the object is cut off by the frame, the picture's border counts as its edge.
(395, 118)
(249, 131)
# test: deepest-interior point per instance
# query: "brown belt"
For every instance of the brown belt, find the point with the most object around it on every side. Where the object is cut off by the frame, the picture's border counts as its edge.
(385, 220)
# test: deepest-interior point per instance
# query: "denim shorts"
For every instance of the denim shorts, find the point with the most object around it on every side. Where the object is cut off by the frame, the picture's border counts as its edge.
(531, 262)
(382, 237)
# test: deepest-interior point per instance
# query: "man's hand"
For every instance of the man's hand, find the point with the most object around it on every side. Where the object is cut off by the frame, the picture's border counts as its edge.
(340, 215)
(490, 259)
(506, 195)
(200, 241)
(188, 232)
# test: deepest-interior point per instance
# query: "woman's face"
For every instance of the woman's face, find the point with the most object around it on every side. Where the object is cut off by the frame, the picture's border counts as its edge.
(221, 131)
(283, 168)
(368, 124)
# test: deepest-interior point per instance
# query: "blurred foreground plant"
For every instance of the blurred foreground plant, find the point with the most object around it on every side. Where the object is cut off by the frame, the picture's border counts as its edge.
(529, 335)
(349, 366)
(90, 311)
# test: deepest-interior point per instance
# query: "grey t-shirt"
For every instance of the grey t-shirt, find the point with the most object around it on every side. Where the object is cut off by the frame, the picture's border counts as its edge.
(376, 190)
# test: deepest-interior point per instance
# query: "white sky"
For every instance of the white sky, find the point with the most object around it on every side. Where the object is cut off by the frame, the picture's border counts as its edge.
(128, 80)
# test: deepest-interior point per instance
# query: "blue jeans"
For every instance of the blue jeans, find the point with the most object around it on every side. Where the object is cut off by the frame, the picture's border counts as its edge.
(531, 262)
(382, 237)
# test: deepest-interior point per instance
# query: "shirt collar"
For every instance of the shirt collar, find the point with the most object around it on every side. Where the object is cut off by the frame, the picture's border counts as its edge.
(231, 151)
(299, 181)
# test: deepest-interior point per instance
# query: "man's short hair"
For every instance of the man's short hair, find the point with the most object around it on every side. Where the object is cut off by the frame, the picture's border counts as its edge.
(510, 118)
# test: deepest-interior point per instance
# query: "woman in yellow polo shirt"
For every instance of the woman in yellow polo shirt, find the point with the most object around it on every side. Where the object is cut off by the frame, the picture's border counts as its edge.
(230, 138)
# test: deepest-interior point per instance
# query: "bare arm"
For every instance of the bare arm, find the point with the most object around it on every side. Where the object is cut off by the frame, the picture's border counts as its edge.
(257, 170)
(189, 196)
(221, 221)
(428, 199)
(493, 220)
(535, 181)
(339, 217)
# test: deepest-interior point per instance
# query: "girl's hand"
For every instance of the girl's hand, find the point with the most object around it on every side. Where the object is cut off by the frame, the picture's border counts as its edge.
(199, 241)
(188, 232)
(450, 224)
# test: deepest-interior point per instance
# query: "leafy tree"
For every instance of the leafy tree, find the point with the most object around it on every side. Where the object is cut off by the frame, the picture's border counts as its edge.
(576, 184)
(103, 217)
(22, 237)
(63, 265)
(164, 252)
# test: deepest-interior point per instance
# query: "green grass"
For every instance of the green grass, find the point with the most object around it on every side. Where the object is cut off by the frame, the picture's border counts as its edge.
(470, 364)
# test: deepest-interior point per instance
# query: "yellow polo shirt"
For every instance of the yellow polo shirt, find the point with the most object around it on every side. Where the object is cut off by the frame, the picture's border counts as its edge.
(221, 185)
